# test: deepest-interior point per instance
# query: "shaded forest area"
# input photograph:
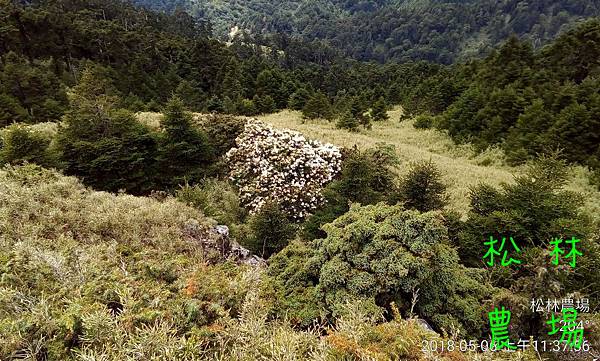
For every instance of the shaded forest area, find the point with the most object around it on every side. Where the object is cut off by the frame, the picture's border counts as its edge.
(394, 30)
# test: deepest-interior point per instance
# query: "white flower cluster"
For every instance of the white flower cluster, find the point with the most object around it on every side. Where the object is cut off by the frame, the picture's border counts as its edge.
(281, 166)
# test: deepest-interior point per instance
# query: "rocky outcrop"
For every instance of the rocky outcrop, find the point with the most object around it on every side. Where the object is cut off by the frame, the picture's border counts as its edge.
(218, 246)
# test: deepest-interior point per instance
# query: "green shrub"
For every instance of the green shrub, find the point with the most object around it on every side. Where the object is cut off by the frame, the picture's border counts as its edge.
(380, 254)
(11, 111)
(215, 105)
(366, 177)
(533, 210)
(222, 131)
(113, 152)
(422, 188)
(595, 178)
(264, 104)
(271, 231)
(20, 144)
(424, 122)
(216, 199)
(348, 122)
(247, 107)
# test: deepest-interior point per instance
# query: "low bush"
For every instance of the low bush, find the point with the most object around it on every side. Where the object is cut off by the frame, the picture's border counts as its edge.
(20, 143)
(216, 199)
(222, 131)
(534, 209)
(270, 231)
(424, 122)
(380, 254)
(366, 177)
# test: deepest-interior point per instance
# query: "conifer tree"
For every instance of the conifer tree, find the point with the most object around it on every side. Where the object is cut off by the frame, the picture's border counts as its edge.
(379, 110)
(215, 105)
(105, 146)
(264, 104)
(185, 152)
(190, 94)
(318, 106)
(298, 99)
(348, 121)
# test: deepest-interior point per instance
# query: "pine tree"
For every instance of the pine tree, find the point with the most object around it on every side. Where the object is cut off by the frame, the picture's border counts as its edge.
(11, 111)
(318, 106)
(298, 99)
(191, 94)
(348, 121)
(422, 188)
(32, 87)
(215, 105)
(105, 146)
(379, 110)
(185, 152)
(264, 104)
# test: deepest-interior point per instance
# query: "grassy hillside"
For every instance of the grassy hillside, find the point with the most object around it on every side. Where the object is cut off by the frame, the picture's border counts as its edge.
(460, 165)
(89, 275)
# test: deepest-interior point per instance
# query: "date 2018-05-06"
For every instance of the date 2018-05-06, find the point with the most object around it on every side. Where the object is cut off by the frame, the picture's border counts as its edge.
(438, 346)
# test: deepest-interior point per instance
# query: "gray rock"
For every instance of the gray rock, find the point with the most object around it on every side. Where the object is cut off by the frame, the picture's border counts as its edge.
(222, 230)
(233, 250)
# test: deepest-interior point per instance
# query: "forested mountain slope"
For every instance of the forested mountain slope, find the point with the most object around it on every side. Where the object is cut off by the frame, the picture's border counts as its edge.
(399, 30)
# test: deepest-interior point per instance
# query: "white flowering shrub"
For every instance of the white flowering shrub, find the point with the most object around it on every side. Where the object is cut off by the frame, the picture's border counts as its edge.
(281, 166)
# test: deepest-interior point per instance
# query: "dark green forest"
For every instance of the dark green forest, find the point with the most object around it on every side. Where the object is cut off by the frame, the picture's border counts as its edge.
(393, 30)
(529, 101)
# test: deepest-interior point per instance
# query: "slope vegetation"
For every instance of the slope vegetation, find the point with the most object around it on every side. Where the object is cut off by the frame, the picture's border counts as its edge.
(462, 167)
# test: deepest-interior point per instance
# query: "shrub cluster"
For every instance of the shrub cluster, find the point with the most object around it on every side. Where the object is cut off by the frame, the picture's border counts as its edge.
(283, 167)
(269, 231)
(111, 150)
(380, 254)
(366, 178)
(20, 143)
(424, 121)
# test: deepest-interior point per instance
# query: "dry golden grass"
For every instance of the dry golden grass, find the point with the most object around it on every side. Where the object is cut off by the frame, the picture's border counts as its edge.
(462, 168)
(150, 119)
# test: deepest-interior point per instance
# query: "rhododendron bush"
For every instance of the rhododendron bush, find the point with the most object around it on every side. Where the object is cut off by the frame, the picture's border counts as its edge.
(281, 166)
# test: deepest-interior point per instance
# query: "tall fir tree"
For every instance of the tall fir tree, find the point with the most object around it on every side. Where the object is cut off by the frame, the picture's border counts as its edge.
(185, 152)
(379, 110)
(318, 107)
